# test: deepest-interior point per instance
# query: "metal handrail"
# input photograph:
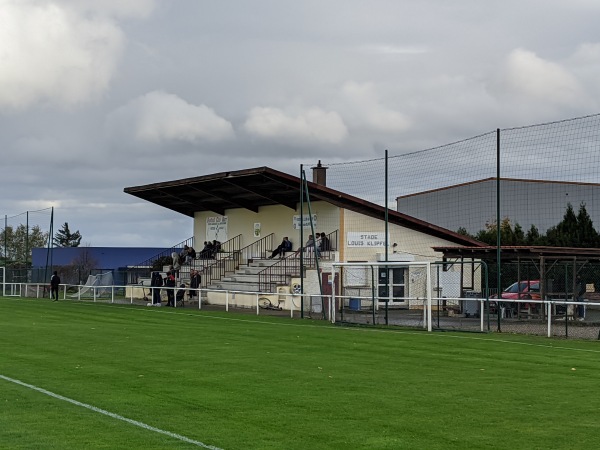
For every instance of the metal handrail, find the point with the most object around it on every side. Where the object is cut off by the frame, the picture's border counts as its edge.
(232, 262)
(176, 248)
(283, 270)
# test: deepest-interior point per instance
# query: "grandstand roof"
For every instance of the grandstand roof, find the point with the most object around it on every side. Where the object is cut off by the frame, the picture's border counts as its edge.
(263, 186)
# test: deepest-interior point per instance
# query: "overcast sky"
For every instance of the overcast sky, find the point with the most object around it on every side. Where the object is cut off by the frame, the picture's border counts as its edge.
(99, 95)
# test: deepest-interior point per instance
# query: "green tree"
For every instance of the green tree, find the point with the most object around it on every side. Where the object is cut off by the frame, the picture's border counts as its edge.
(587, 234)
(509, 234)
(463, 231)
(64, 237)
(568, 228)
(533, 237)
(16, 244)
(574, 230)
(565, 233)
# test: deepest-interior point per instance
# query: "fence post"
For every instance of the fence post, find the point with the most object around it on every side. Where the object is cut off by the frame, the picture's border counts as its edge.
(549, 309)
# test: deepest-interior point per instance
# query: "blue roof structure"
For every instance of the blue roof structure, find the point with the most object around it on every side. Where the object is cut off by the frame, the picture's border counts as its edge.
(105, 257)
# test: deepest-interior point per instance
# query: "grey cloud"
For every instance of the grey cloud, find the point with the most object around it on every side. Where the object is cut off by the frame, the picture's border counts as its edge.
(160, 118)
(52, 55)
(136, 92)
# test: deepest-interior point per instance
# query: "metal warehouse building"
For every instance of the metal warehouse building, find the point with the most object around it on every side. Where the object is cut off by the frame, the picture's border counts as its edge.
(526, 202)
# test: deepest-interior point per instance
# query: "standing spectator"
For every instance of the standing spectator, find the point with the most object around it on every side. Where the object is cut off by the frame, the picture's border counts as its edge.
(170, 284)
(194, 283)
(156, 282)
(580, 291)
(216, 247)
(176, 265)
(285, 246)
(54, 283)
(324, 244)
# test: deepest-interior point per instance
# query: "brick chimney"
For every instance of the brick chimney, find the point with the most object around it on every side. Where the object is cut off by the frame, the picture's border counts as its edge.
(319, 174)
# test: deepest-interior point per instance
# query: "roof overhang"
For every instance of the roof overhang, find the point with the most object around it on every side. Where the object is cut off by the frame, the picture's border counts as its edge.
(263, 186)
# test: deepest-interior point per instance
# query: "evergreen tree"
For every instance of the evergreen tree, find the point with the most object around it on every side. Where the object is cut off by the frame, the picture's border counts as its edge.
(64, 237)
(572, 231)
(533, 236)
(587, 234)
(566, 232)
(518, 235)
(463, 231)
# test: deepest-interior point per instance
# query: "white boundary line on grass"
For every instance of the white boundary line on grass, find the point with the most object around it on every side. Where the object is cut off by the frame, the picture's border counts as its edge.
(109, 414)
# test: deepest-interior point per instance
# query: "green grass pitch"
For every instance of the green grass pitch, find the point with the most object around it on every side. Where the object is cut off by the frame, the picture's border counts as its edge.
(87, 376)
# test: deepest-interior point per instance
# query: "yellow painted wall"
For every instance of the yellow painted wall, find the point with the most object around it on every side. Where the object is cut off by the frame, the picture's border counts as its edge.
(273, 219)
(409, 241)
(278, 219)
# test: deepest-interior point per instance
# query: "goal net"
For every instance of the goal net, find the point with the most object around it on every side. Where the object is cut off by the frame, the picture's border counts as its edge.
(415, 294)
(96, 286)
(387, 293)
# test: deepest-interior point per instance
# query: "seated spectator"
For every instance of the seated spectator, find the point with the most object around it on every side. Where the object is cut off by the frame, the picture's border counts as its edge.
(182, 254)
(309, 246)
(191, 254)
(285, 246)
(207, 251)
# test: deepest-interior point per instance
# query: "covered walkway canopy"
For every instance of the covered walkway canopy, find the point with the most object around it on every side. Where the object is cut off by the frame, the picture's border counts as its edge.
(542, 258)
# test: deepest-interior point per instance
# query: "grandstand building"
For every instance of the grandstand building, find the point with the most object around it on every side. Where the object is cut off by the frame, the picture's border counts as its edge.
(251, 210)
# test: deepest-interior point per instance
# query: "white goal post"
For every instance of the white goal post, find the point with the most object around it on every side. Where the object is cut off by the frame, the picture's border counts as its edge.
(400, 284)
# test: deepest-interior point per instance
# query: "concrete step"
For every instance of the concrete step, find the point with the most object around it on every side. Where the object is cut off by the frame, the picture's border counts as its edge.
(235, 286)
(241, 278)
(262, 262)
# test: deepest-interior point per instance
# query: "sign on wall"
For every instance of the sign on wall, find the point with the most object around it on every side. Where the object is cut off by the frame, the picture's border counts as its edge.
(367, 239)
(216, 228)
(305, 221)
(257, 230)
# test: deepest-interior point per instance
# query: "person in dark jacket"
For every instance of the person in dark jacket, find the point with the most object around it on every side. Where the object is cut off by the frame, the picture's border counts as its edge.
(170, 284)
(285, 246)
(54, 284)
(194, 283)
(155, 282)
